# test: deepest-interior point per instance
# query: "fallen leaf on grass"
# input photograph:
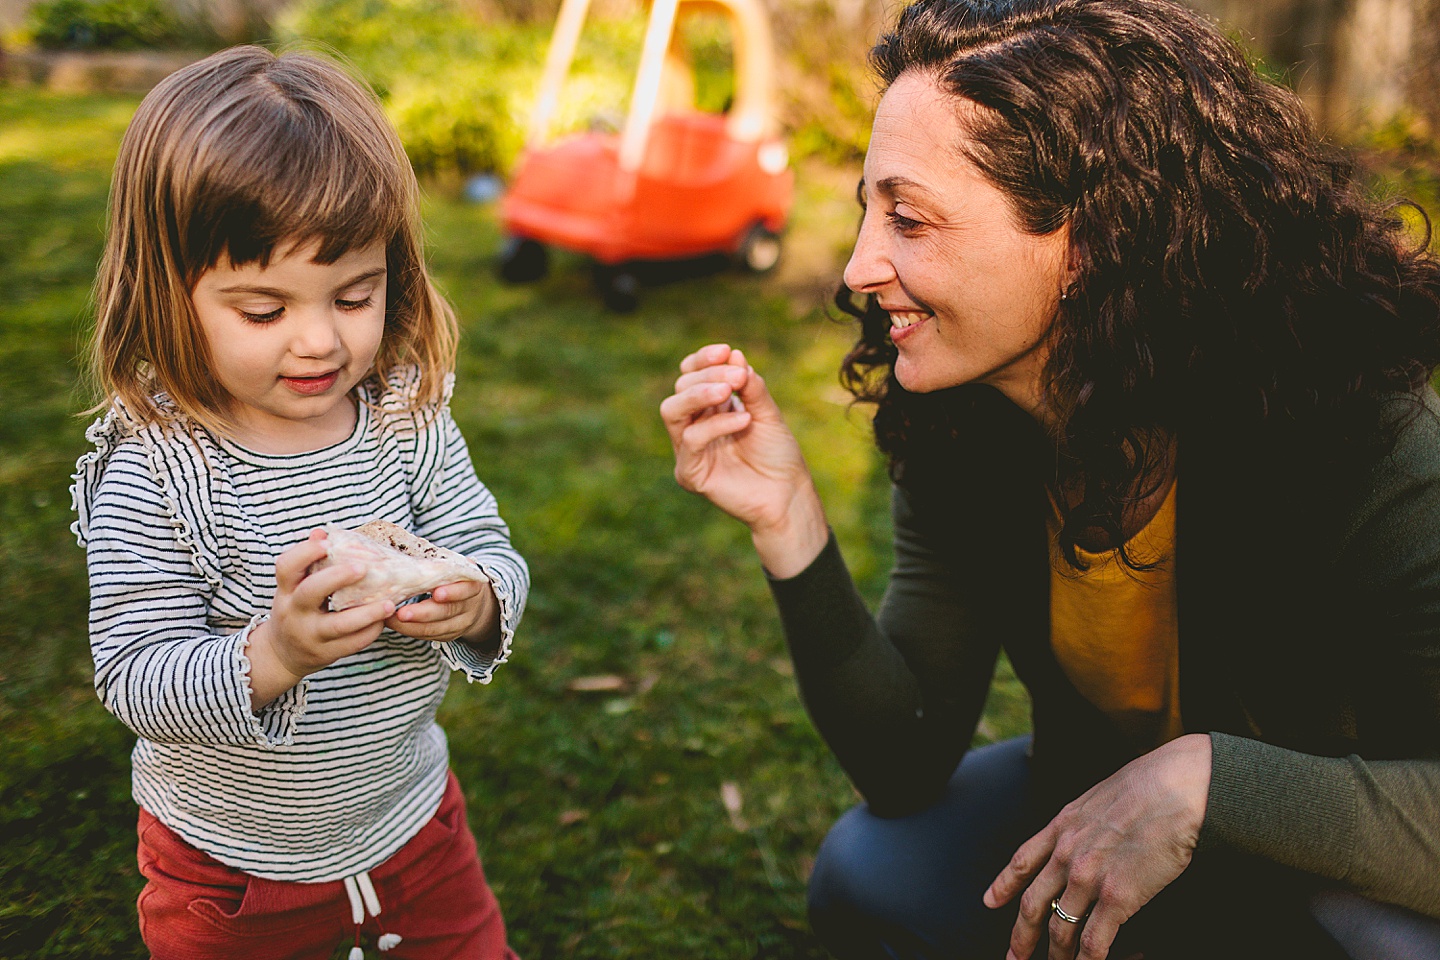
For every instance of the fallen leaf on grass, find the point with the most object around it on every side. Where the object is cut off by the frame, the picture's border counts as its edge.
(730, 796)
(573, 816)
(602, 683)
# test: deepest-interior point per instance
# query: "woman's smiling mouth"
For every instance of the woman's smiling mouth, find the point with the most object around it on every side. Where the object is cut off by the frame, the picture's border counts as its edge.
(904, 322)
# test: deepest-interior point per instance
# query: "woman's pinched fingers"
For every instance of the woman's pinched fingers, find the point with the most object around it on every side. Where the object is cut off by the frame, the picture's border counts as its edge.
(734, 376)
(680, 409)
(702, 433)
(707, 356)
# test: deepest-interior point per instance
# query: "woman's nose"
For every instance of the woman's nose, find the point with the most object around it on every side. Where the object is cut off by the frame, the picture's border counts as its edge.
(869, 267)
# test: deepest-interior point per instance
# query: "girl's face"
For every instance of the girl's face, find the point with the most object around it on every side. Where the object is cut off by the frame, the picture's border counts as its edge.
(971, 295)
(290, 340)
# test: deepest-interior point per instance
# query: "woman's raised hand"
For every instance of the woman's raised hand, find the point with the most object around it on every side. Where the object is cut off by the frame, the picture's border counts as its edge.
(1105, 855)
(742, 457)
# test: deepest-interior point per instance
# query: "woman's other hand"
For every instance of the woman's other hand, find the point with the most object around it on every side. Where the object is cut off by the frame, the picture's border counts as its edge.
(302, 634)
(1108, 853)
(742, 457)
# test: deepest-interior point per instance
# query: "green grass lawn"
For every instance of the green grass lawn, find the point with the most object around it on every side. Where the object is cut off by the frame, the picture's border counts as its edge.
(599, 814)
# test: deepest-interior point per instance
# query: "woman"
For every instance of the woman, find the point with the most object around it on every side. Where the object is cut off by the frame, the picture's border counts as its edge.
(1152, 379)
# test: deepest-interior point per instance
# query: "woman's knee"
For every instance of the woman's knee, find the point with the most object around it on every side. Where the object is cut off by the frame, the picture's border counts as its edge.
(1368, 930)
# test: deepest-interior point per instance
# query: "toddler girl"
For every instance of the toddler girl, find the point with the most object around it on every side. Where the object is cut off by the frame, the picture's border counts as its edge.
(274, 358)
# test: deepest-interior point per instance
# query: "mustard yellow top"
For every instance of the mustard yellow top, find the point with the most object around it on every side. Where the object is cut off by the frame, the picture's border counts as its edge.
(1115, 633)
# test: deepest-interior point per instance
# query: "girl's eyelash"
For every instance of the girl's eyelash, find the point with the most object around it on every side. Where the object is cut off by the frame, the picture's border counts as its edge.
(355, 304)
(270, 317)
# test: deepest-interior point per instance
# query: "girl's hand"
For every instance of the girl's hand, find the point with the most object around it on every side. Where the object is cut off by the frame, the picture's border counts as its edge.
(743, 458)
(466, 611)
(1105, 855)
(302, 634)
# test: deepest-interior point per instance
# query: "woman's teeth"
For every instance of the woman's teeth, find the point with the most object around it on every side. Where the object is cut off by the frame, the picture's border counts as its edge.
(902, 320)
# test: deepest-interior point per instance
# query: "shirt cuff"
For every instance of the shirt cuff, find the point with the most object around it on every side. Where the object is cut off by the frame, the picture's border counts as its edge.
(1288, 807)
(477, 666)
(277, 721)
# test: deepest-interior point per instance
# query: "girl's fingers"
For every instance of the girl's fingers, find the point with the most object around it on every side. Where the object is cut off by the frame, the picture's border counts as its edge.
(291, 565)
(353, 620)
(457, 592)
(316, 588)
(428, 611)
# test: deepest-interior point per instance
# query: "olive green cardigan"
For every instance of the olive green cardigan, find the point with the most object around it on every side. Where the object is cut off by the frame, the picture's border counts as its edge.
(1309, 606)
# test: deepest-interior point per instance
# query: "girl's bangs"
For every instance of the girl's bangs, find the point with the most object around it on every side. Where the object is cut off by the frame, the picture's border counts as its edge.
(320, 190)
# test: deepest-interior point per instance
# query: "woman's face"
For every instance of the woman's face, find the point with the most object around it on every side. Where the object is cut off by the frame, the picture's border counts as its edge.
(970, 294)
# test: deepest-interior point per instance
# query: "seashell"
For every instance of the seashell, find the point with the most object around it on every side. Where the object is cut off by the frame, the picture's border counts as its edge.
(398, 565)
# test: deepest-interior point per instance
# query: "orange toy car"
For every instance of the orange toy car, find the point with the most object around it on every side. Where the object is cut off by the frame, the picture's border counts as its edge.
(676, 183)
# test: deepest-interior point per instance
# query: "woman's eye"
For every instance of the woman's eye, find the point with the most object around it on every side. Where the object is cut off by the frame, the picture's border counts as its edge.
(355, 304)
(270, 317)
(901, 222)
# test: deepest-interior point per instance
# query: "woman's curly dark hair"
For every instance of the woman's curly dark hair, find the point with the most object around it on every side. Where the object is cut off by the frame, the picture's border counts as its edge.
(1231, 275)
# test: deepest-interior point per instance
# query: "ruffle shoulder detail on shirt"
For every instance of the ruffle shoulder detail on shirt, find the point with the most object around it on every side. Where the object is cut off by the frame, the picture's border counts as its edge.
(182, 464)
(418, 430)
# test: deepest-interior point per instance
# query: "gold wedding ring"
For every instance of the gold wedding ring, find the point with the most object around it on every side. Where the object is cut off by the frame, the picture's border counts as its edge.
(1059, 911)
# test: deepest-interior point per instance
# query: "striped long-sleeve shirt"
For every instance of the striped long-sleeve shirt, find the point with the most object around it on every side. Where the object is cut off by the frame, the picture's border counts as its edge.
(182, 531)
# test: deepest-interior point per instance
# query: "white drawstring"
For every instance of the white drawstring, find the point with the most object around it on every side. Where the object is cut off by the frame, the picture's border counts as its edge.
(363, 897)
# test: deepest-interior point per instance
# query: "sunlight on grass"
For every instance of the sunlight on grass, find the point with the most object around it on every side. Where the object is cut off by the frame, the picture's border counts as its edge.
(600, 813)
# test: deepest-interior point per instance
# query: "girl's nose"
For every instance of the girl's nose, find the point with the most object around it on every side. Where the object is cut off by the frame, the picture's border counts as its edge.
(869, 267)
(317, 335)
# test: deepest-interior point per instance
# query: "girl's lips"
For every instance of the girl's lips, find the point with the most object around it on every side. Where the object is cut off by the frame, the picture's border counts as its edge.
(310, 386)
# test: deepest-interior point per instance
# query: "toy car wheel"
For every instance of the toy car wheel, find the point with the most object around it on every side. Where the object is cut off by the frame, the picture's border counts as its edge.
(619, 288)
(523, 260)
(759, 249)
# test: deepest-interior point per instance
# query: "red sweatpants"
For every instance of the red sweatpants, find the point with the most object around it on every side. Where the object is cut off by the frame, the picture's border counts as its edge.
(432, 893)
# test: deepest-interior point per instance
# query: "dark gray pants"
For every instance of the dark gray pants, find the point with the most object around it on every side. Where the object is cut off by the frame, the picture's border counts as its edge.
(910, 888)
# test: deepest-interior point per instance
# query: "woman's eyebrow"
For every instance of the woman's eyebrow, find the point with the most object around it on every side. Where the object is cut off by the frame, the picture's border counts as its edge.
(890, 185)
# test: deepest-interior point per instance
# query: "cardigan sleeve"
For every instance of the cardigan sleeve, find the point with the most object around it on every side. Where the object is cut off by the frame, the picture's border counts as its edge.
(460, 513)
(1370, 820)
(897, 697)
(158, 666)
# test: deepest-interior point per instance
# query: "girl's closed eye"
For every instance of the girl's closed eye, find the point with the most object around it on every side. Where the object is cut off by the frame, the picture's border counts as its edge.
(261, 316)
(360, 304)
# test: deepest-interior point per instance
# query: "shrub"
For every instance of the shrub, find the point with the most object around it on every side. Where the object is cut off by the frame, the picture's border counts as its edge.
(104, 25)
(458, 90)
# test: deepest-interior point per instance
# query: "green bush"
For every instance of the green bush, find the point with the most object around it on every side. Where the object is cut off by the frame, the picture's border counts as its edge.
(104, 25)
(458, 90)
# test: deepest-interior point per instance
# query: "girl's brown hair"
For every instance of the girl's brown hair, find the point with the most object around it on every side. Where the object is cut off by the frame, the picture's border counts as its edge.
(235, 156)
